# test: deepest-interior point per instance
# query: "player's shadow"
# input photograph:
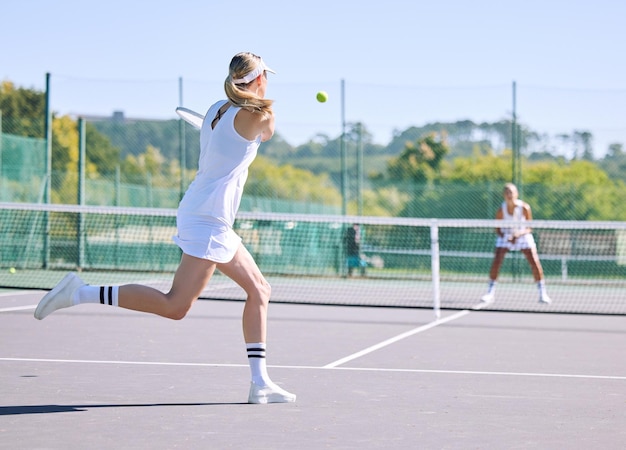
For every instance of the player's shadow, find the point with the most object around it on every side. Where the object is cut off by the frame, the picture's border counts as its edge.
(48, 409)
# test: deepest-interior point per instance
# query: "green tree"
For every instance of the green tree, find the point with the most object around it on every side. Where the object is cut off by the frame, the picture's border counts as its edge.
(614, 162)
(100, 151)
(153, 166)
(23, 110)
(479, 168)
(578, 190)
(384, 202)
(585, 140)
(420, 161)
(269, 180)
(133, 137)
(276, 148)
(101, 157)
(23, 114)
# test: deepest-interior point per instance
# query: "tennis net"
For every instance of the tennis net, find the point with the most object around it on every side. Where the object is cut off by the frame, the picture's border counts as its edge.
(403, 262)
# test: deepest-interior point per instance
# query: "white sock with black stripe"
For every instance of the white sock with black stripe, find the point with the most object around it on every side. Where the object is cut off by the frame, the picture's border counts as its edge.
(258, 366)
(105, 295)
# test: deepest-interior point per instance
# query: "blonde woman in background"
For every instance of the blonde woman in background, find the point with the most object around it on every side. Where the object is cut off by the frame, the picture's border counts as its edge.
(518, 238)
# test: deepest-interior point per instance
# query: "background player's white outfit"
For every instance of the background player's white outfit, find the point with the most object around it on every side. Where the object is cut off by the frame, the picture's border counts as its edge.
(206, 213)
(523, 242)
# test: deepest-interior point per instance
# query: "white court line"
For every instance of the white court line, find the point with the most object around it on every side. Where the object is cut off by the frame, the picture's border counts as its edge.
(17, 308)
(136, 363)
(478, 372)
(353, 369)
(13, 294)
(380, 345)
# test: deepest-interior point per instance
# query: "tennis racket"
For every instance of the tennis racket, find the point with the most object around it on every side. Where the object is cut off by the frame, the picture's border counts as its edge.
(193, 118)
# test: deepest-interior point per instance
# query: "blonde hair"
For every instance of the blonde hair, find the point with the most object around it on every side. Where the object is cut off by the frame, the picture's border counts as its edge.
(241, 65)
(510, 187)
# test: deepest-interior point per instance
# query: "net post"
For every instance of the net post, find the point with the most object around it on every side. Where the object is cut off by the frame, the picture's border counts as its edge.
(434, 258)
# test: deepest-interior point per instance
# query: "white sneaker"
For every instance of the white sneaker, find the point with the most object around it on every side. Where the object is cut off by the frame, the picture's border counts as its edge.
(60, 296)
(269, 394)
(543, 298)
(488, 297)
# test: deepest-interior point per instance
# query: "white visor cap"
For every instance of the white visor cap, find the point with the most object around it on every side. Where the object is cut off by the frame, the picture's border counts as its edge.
(262, 67)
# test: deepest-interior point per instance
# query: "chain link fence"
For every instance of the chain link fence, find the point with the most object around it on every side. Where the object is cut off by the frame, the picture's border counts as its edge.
(149, 163)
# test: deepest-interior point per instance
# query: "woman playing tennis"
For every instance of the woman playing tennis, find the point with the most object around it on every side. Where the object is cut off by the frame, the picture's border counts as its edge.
(517, 238)
(231, 133)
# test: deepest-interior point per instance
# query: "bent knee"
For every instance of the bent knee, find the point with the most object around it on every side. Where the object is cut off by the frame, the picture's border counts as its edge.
(261, 290)
(265, 289)
(177, 310)
(177, 314)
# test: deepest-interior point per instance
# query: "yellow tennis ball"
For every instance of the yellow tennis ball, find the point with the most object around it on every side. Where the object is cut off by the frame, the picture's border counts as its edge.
(12, 270)
(322, 96)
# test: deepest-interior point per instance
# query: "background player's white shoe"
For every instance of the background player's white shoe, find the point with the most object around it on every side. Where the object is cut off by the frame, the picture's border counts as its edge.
(543, 298)
(59, 297)
(489, 297)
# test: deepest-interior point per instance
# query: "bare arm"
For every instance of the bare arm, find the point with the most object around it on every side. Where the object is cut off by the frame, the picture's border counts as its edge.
(251, 125)
(268, 130)
(499, 217)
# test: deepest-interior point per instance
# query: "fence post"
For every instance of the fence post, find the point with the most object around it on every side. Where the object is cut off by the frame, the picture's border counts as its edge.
(182, 144)
(343, 153)
(48, 180)
(1, 187)
(81, 192)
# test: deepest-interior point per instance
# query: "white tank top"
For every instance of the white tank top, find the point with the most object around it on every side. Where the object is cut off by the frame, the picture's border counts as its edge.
(518, 211)
(523, 242)
(518, 215)
(222, 168)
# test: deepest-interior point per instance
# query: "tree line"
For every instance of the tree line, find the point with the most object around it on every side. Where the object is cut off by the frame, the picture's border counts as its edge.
(437, 170)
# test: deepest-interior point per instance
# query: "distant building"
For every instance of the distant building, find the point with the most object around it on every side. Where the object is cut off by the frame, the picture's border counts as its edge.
(118, 116)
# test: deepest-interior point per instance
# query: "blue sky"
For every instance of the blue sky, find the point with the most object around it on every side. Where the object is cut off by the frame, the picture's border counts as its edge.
(403, 62)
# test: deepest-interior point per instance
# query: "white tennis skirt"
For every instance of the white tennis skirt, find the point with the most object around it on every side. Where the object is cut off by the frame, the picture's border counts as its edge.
(521, 243)
(206, 238)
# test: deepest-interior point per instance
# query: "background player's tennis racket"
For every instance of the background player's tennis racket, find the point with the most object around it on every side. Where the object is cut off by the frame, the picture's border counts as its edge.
(191, 117)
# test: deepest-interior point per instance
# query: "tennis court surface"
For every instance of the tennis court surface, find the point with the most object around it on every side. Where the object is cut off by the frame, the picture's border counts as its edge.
(366, 377)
